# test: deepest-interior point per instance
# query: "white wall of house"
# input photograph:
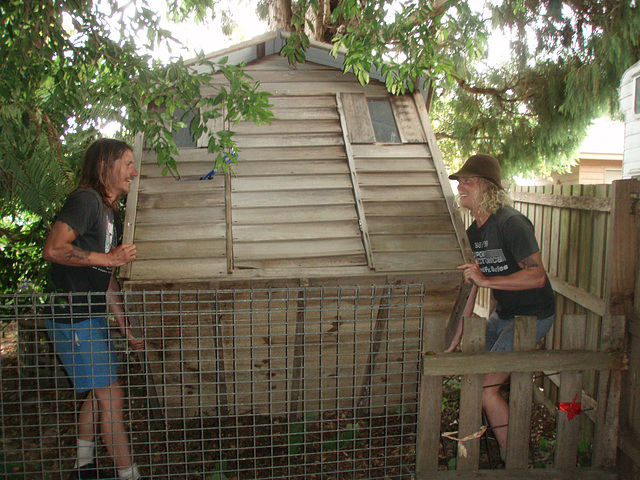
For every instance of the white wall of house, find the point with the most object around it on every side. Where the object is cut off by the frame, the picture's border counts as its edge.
(630, 106)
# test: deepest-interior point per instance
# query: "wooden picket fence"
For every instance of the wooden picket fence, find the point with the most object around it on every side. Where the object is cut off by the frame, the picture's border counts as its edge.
(589, 241)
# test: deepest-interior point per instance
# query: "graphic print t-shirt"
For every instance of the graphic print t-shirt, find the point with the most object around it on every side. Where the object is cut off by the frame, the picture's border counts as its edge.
(99, 229)
(504, 240)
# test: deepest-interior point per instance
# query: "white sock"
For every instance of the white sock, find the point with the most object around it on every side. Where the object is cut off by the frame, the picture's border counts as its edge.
(85, 452)
(130, 473)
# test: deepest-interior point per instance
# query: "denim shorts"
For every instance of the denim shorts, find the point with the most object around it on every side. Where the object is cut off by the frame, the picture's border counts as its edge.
(86, 351)
(500, 332)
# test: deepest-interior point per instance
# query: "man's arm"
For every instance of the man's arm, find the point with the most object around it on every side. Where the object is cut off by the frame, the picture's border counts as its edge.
(116, 307)
(59, 248)
(532, 275)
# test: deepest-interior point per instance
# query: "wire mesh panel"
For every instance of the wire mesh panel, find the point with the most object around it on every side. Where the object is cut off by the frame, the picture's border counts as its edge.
(258, 383)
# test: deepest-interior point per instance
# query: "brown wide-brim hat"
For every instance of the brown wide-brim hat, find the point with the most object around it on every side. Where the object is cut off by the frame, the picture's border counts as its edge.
(480, 165)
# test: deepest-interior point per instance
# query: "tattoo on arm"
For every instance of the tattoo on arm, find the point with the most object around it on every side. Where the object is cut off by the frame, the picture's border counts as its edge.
(77, 254)
(529, 262)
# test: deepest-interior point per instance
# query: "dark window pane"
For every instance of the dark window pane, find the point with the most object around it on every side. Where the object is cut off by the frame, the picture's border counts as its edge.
(384, 124)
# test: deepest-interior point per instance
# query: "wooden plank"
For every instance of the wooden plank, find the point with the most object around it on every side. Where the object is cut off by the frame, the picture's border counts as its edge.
(331, 265)
(353, 174)
(410, 225)
(573, 328)
(471, 397)
(314, 88)
(411, 208)
(551, 360)
(180, 200)
(268, 200)
(524, 474)
(623, 254)
(305, 113)
(296, 231)
(286, 141)
(171, 185)
(293, 126)
(520, 397)
(381, 326)
(414, 243)
(390, 194)
(329, 166)
(304, 153)
(298, 248)
(208, 231)
(228, 214)
(304, 103)
(430, 404)
(149, 250)
(397, 179)
(605, 441)
(393, 165)
(577, 202)
(407, 120)
(357, 123)
(392, 151)
(290, 182)
(132, 201)
(181, 216)
(309, 213)
(585, 299)
(417, 261)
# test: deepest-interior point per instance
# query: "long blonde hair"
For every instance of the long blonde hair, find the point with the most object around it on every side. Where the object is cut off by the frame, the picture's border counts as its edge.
(491, 198)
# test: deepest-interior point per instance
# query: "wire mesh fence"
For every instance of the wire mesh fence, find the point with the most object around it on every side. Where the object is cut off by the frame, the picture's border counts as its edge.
(310, 382)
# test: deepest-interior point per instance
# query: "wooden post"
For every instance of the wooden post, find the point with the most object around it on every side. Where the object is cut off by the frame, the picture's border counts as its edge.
(573, 329)
(430, 406)
(605, 441)
(470, 422)
(382, 319)
(524, 338)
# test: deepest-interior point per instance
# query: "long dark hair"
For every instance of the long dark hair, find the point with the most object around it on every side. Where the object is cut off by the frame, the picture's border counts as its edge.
(98, 162)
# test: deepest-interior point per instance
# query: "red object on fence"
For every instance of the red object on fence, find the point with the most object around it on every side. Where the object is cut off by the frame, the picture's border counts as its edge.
(572, 408)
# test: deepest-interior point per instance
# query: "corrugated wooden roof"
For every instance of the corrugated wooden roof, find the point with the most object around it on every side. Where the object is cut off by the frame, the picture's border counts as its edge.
(313, 195)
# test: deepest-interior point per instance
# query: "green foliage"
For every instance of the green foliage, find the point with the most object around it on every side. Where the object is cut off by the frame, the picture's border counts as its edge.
(72, 67)
(531, 112)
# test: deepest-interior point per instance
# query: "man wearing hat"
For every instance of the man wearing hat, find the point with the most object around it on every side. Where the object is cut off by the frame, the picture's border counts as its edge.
(508, 261)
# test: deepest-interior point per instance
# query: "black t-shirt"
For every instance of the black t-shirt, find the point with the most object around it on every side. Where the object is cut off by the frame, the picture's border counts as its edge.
(505, 239)
(99, 229)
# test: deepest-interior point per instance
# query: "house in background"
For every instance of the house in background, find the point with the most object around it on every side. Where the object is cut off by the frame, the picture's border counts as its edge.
(599, 160)
(630, 106)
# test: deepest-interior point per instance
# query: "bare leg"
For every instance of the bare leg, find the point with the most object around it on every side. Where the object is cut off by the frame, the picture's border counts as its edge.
(110, 401)
(495, 407)
(87, 419)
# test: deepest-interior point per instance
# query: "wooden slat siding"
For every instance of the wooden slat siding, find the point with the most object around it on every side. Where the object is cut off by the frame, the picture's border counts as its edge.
(357, 119)
(130, 216)
(447, 191)
(154, 186)
(180, 216)
(405, 113)
(348, 107)
(254, 214)
(573, 327)
(415, 243)
(430, 406)
(228, 217)
(291, 243)
(298, 231)
(520, 396)
(184, 232)
(471, 396)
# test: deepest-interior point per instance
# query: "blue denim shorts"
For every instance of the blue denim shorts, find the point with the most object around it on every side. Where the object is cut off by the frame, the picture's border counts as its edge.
(86, 351)
(500, 332)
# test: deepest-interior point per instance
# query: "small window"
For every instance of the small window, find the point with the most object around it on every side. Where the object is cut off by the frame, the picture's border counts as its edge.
(636, 107)
(384, 123)
(183, 136)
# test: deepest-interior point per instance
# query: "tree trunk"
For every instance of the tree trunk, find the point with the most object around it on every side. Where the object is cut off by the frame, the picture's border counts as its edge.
(280, 15)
